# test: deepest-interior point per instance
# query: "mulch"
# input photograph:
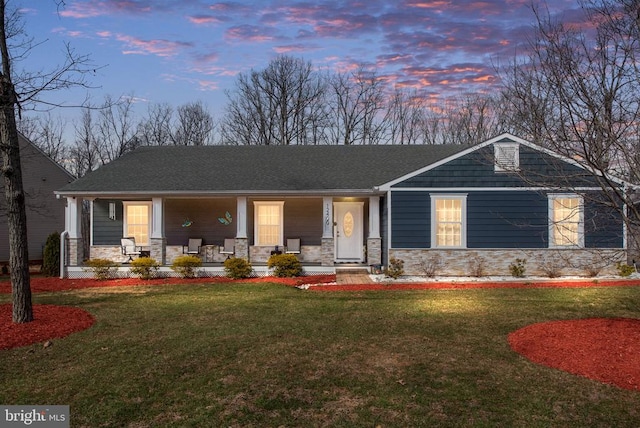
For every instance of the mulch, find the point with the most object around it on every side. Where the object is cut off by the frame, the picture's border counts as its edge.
(602, 349)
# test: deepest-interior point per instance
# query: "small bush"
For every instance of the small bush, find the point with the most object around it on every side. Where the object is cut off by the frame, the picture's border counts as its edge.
(186, 266)
(51, 255)
(518, 268)
(144, 267)
(102, 268)
(431, 265)
(285, 265)
(478, 267)
(552, 267)
(395, 269)
(624, 269)
(237, 268)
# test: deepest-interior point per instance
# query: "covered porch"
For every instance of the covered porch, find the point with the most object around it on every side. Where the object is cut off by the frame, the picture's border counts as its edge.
(333, 230)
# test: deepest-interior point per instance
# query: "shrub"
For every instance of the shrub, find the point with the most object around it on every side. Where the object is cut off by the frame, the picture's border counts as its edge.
(285, 265)
(624, 269)
(395, 268)
(144, 267)
(431, 265)
(478, 267)
(237, 268)
(186, 266)
(518, 268)
(552, 266)
(51, 255)
(102, 268)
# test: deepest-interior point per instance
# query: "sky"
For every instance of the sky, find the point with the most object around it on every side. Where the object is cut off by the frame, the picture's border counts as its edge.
(180, 51)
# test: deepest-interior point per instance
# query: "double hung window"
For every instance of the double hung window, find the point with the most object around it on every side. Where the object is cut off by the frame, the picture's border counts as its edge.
(566, 221)
(448, 221)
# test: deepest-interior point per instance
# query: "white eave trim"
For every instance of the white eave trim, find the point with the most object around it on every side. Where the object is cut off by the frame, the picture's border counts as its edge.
(224, 193)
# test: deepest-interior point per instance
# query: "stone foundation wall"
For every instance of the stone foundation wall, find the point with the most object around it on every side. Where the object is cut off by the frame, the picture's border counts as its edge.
(109, 253)
(539, 262)
(75, 251)
(308, 254)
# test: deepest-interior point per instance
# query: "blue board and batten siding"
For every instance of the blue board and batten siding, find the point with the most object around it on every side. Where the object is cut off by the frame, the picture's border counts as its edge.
(515, 215)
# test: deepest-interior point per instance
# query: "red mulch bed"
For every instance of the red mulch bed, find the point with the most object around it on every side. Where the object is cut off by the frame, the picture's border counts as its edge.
(50, 322)
(601, 349)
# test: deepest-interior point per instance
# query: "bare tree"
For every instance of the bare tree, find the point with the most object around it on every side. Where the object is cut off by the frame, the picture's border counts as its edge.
(156, 128)
(16, 91)
(84, 153)
(47, 133)
(405, 117)
(275, 105)
(195, 125)
(358, 100)
(115, 128)
(579, 88)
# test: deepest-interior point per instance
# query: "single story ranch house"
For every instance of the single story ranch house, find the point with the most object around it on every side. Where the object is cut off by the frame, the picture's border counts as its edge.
(450, 208)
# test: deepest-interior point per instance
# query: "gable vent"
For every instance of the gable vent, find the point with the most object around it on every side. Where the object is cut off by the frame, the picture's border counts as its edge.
(507, 156)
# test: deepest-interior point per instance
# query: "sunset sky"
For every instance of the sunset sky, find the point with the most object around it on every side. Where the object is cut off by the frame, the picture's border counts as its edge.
(178, 51)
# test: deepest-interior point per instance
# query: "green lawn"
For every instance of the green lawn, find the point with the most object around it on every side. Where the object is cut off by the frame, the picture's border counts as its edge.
(267, 355)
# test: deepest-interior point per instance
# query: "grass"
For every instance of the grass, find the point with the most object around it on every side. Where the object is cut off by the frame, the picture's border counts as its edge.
(260, 355)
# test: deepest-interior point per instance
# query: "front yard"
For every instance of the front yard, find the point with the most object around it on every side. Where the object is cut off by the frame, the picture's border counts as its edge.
(267, 355)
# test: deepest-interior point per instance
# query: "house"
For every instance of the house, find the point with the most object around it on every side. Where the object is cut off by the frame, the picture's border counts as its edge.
(445, 207)
(41, 176)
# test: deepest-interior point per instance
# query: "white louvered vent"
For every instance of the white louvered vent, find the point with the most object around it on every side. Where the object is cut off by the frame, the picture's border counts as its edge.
(507, 156)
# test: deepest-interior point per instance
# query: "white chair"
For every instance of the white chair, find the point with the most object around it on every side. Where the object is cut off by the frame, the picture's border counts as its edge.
(229, 247)
(293, 246)
(129, 247)
(194, 246)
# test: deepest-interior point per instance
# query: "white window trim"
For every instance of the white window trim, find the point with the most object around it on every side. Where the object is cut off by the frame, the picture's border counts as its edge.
(463, 207)
(256, 235)
(512, 164)
(551, 198)
(125, 222)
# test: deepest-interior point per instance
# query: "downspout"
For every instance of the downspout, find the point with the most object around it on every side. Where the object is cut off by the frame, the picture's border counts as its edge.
(63, 254)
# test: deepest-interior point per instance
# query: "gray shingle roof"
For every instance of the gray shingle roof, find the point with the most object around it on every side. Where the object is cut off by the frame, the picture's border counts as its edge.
(244, 169)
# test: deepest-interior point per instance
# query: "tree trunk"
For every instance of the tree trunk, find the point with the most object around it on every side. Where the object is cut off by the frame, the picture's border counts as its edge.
(14, 192)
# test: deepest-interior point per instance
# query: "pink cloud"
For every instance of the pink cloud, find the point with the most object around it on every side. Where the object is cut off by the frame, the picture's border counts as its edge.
(250, 33)
(95, 8)
(159, 47)
(204, 19)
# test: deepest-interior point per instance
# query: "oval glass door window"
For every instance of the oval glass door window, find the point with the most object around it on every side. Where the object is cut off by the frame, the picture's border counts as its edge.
(347, 224)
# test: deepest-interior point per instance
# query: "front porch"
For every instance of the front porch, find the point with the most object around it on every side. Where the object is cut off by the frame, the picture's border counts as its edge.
(331, 231)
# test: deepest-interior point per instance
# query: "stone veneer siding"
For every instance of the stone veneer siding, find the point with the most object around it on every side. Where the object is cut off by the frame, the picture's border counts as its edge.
(327, 252)
(75, 251)
(539, 262)
(158, 250)
(374, 251)
(308, 254)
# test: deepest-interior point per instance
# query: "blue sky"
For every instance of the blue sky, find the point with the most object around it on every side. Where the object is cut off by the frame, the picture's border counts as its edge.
(178, 51)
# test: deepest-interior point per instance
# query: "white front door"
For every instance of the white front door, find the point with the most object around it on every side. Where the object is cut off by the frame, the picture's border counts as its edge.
(348, 231)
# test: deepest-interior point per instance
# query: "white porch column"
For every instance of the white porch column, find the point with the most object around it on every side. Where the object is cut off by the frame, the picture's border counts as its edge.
(241, 242)
(157, 241)
(374, 216)
(73, 220)
(374, 242)
(157, 218)
(327, 217)
(241, 217)
(327, 247)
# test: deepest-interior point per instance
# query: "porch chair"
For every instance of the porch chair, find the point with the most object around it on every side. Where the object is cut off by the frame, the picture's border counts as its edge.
(229, 247)
(129, 248)
(293, 246)
(194, 246)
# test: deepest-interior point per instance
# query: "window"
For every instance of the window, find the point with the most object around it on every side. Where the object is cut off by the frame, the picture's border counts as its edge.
(448, 221)
(507, 156)
(137, 221)
(268, 221)
(566, 225)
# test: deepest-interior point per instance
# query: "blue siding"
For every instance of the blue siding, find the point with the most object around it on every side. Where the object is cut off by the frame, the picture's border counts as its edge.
(105, 230)
(507, 220)
(476, 169)
(499, 219)
(410, 213)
